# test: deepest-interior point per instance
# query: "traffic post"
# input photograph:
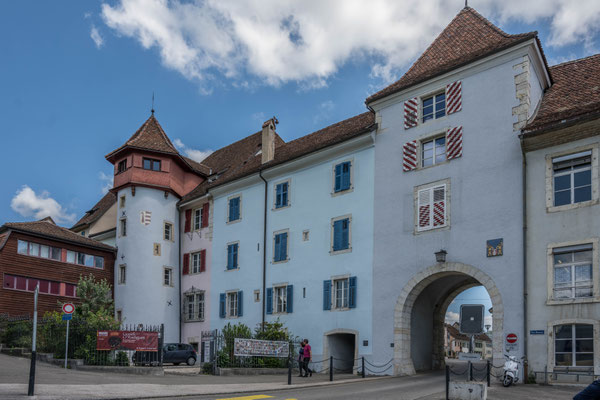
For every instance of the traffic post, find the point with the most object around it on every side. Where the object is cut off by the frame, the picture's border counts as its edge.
(68, 309)
(31, 387)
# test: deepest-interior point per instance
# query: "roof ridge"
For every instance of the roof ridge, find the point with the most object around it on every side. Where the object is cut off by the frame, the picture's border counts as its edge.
(329, 126)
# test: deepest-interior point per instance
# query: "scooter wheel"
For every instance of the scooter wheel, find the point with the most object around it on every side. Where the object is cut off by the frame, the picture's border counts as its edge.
(508, 380)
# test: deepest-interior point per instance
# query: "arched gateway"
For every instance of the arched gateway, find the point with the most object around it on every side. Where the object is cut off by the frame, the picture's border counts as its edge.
(421, 307)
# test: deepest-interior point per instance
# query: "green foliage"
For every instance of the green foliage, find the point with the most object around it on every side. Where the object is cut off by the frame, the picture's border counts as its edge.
(16, 334)
(122, 359)
(272, 331)
(531, 378)
(96, 296)
(238, 330)
(207, 368)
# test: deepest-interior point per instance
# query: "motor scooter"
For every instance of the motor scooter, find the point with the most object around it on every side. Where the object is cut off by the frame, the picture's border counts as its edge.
(511, 371)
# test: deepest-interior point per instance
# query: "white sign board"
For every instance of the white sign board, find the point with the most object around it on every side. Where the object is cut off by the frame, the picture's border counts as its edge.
(469, 356)
(253, 347)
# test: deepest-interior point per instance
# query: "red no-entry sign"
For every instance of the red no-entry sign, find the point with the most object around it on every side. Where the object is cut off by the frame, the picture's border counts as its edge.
(511, 338)
(68, 308)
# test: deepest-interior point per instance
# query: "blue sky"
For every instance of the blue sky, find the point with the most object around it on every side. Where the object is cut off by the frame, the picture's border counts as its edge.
(77, 77)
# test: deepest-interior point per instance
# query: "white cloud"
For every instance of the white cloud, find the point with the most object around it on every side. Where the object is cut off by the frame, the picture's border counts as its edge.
(452, 317)
(196, 155)
(28, 204)
(95, 35)
(274, 42)
(324, 111)
(107, 182)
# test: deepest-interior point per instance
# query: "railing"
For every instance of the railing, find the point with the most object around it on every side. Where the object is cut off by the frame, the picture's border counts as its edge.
(577, 373)
(471, 372)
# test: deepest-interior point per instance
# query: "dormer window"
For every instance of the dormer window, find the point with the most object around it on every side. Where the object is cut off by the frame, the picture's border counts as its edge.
(122, 166)
(150, 164)
(434, 106)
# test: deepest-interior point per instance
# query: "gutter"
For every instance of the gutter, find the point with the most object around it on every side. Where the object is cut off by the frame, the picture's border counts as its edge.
(524, 179)
(264, 271)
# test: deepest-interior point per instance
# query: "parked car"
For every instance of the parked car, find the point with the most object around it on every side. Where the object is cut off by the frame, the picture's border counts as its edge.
(175, 353)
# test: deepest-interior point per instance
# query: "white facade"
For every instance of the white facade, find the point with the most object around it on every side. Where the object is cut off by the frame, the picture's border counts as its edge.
(147, 296)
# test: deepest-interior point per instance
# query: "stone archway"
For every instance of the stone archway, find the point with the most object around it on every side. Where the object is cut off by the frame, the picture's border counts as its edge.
(403, 362)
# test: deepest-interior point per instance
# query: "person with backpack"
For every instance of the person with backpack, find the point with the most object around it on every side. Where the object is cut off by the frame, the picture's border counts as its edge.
(301, 359)
(307, 354)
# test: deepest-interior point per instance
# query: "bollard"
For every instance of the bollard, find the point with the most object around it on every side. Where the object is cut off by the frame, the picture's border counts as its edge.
(289, 371)
(545, 375)
(331, 369)
(363, 367)
(470, 371)
(447, 381)
(488, 373)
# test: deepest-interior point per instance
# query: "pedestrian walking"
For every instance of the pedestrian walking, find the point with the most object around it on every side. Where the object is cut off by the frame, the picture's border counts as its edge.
(301, 359)
(307, 357)
(592, 392)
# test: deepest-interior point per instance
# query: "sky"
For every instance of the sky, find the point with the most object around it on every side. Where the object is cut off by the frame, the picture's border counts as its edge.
(77, 77)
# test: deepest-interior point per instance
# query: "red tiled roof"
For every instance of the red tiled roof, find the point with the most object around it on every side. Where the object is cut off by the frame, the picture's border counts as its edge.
(455, 333)
(574, 94)
(48, 229)
(151, 136)
(251, 162)
(467, 38)
(97, 211)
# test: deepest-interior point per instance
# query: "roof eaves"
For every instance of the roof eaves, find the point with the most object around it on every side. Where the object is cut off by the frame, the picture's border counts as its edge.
(557, 125)
(100, 246)
(5, 239)
(382, 94)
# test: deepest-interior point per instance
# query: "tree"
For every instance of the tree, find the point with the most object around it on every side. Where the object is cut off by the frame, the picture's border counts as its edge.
(96, 296)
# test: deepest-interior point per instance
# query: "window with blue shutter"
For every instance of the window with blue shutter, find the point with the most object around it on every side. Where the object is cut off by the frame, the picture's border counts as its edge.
(341, 234)
(222, 305)
(232, 256)
(240, 310)
(327, 295)
(234, 209)
(280, 247)
(269, 300)
(281, 195)
(352, 292)
(290, 299)
(342, 176)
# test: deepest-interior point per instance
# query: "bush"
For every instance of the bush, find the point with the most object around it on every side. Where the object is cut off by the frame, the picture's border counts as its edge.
(122, 359)
(16, 334)
(207, 368)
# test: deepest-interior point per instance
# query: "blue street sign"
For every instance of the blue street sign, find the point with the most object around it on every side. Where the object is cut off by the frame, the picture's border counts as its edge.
(67, 317)
(537, 332)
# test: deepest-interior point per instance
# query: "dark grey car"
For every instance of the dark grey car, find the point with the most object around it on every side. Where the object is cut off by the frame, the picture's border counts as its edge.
(177, 353)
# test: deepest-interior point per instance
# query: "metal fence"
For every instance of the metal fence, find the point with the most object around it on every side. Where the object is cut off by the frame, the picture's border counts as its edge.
(468, 371)
(16, 333)
(225, 357)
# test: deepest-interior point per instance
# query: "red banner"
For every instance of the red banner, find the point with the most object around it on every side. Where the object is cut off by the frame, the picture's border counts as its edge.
(127, 340)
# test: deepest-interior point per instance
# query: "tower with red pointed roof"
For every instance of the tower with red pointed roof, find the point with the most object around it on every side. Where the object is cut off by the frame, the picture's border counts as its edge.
(150, 177)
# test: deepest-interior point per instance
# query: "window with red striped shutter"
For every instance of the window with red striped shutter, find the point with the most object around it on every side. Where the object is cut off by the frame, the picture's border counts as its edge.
(188, 221)
(431, 208)
(186, 264)
(203, 261)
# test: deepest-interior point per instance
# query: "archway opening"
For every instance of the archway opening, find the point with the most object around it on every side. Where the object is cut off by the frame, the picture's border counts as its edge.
(342, 349)
(420, 315)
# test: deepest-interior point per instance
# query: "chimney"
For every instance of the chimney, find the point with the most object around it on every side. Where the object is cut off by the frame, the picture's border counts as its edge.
(268, 140)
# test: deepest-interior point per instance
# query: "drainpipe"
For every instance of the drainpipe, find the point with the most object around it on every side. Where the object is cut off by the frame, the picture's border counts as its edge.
(524, 179)
(264, 249)
(180, 274)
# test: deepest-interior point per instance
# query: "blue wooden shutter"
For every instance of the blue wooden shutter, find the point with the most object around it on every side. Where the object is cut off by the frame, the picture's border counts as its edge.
(230, 256)
(284, 194)
(283, 247)
(222, 305)
(235, 255)
(231, 209)
(352, 292)
(236, 204)
(345, 235)
(337, 235)
(327, 295)
(240, 303)
(278, 199)
(290, 299)
(269, 300)
(338, 177)
(346, 175)
(277, 255)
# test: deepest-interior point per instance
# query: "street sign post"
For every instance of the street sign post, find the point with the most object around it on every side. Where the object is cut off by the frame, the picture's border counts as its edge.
(512, 342)
(33, 343)
(68, 309)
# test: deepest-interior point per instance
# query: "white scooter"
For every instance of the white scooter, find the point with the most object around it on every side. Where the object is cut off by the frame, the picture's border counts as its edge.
(511, 371)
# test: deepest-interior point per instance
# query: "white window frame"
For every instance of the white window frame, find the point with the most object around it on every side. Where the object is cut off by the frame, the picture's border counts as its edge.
(167, 280)
(432, 186)
(432, 138)
(421, 108)
(122, 201)
(280, 303)
(289, 200)
(550, 207)
(345, 292)
(198, 306)
(240, 216)
(171, 230)
(351, 188)
(573, 321)
(229, 305)
(595, 298)
(195, 254)
(197, 220)
(122, 279)
(287, 250)
(332, 224)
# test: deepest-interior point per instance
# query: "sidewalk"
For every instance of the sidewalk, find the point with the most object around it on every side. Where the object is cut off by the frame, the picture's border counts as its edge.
(53, 382)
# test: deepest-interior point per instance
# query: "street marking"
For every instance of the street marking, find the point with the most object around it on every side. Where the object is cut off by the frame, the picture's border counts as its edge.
(254, 397)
